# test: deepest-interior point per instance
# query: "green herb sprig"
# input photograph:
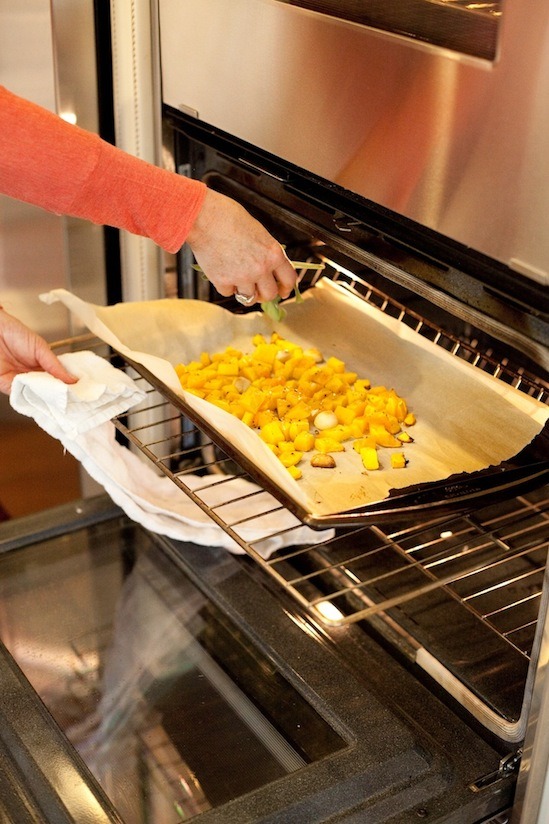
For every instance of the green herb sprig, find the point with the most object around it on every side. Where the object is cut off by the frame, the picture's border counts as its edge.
(274, 310)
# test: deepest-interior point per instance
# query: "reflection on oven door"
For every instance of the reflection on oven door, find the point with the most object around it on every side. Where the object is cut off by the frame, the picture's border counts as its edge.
(171, 709)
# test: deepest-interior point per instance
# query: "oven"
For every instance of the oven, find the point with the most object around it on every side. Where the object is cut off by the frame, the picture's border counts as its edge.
(393, 670)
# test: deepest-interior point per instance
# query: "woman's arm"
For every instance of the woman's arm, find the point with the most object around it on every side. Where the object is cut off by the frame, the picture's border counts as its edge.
(67, 170)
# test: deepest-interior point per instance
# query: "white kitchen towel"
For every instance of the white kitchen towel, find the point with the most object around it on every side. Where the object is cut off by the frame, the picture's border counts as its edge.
(81, 419)
(102, 391)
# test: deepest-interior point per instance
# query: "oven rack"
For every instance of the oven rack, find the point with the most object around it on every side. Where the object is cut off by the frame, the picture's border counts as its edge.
(328, 576)
(429, 587)
(351, 575)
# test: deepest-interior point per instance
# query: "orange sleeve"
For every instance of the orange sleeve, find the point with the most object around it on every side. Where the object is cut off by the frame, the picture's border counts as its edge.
(67, 170)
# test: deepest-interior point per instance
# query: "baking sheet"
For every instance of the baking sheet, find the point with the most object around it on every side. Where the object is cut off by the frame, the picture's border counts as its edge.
(466, 420)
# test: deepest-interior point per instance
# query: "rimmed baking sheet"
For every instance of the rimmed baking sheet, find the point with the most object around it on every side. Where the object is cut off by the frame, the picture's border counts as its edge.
(470, 426)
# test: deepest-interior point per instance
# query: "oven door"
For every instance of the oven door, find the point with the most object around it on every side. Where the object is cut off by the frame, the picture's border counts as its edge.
(190, 690)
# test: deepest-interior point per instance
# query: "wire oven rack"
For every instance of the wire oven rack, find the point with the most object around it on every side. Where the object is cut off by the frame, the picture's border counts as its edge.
(438, 589)
(492, 561)
(356, 573)
(463, 596)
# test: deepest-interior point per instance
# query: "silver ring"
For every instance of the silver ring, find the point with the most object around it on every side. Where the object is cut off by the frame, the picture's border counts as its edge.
(245, 300)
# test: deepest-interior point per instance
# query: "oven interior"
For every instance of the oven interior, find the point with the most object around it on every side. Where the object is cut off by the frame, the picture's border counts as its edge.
(427, 584)
(484, 310)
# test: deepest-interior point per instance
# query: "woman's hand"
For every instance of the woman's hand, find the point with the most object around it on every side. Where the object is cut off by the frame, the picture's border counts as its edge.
(22, 350)
(237, 254)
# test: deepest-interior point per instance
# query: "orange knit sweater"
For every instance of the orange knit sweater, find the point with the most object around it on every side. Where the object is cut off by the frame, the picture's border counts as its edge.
(67, 170)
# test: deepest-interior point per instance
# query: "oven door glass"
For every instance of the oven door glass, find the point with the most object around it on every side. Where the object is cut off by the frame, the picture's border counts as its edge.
(460, 25)
(168, 703)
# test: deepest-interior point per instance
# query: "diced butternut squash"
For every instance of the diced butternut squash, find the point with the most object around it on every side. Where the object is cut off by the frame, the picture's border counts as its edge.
(304, 441)
(363, 443)
(328, 445)
(369, 457)
(335, 364)
(252, 399)
(228, 368)
(337, 433)
(297, 427)
(358, 427)
(285, 446)
(295, 472)
(290, 458)
(285, 392)
(299, 411)
(382, 437)
(265, 352)
(272, 432)
(398, 461)
(345, 414)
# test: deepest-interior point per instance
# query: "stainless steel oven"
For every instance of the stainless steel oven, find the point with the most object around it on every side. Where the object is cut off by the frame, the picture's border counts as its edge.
(394, 672)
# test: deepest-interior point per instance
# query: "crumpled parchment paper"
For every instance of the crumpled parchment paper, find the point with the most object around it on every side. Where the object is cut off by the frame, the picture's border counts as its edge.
(466, 419)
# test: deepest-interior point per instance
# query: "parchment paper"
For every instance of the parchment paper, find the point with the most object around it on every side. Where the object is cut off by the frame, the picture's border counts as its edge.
(466, 419)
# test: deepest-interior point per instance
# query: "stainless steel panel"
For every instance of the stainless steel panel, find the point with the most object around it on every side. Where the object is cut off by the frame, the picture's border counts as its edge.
(48, 56)
(460, 25)
(137, 112)
(452, 142)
